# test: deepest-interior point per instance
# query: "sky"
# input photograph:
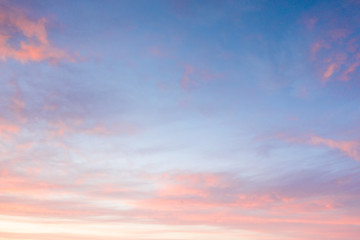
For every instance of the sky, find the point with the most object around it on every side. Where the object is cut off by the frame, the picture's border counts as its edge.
(179, 120)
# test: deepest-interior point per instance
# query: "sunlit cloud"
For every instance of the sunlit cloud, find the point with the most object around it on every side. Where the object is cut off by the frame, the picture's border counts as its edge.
(330, 71)
(335, 49)
(31, 37)
(349, 148)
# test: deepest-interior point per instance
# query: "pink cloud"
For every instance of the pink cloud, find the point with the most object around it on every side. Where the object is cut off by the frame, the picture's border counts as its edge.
(194, 77)
(310, 23)
(8, 130)
(352, 68)
(338, 34)
(69, 127)
(193, 191)
(158, 52)
(55, 236)
(17, 184)
(348, 148)
(35, 47)
(204, 198)
(127, 128)
(333, 48)
(230, 202)
(208, 76)
(329, 71)
(186, 80)
(17, 104)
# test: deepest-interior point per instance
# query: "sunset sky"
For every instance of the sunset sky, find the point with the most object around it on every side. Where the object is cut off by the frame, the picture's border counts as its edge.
(179, 120)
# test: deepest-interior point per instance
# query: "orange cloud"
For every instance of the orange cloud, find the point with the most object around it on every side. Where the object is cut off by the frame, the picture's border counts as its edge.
(35, 46)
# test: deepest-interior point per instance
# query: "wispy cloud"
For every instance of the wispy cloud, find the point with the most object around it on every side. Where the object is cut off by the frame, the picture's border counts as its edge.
(335, 47)
(349, 148)
(25, 39)
(187, 80)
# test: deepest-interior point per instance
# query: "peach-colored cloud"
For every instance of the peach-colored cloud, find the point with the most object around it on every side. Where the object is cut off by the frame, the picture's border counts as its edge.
(35, 46)
(8, 130)
(56, 236)
(51, 209)
(17, 184)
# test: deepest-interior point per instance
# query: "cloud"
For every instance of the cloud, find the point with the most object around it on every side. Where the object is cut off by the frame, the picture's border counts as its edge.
(224, 200)
(186, 81)
(69, 127)
(348, 148)
(25, 39)
(126, 128)
(8, 128)
(178, 198)
(194, 77)
(329, 71)
(334, 47)
(352, 68)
